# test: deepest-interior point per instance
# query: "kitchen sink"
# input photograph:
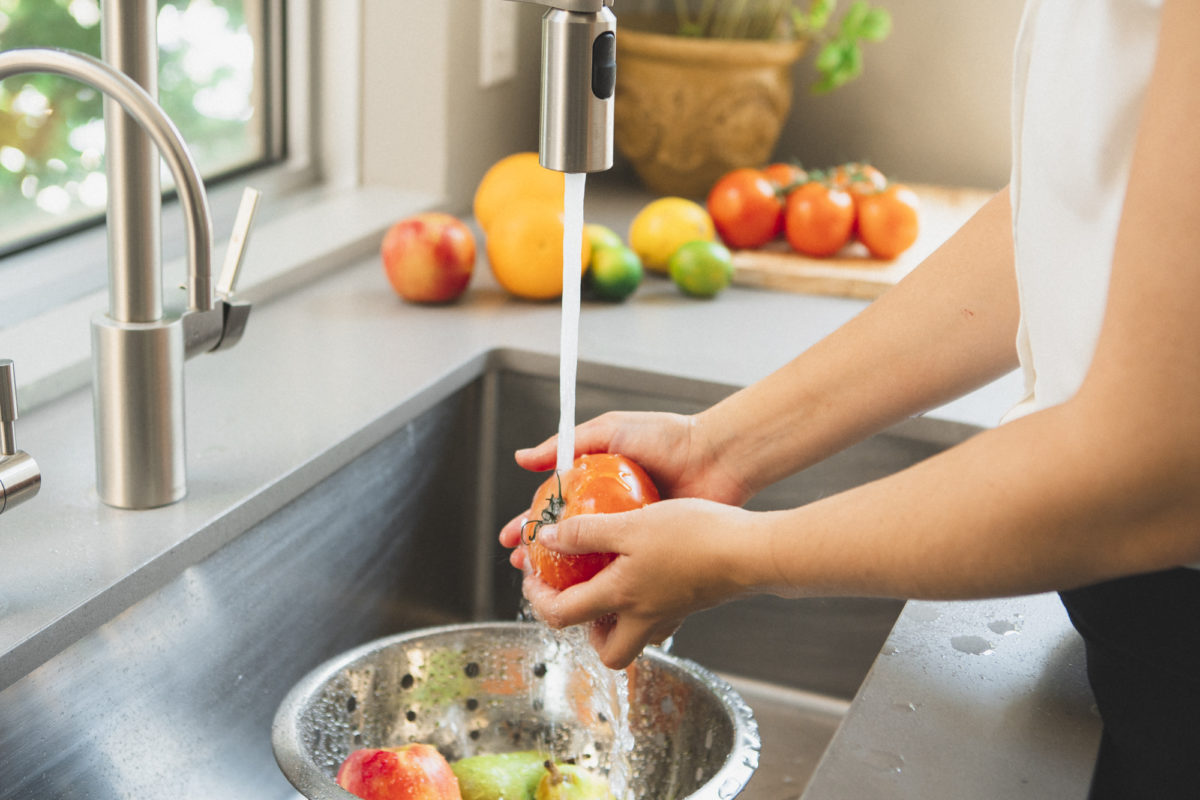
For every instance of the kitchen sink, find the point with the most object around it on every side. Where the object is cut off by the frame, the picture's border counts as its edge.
(175, 696)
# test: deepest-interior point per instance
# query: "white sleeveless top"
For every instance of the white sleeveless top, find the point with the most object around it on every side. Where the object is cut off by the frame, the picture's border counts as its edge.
(1080, 73)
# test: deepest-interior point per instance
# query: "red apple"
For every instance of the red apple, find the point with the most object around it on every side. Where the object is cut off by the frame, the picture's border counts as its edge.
(429, 258)
(411, 772)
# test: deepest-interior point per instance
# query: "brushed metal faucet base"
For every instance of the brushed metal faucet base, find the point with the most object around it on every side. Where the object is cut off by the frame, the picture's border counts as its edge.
(140, 458)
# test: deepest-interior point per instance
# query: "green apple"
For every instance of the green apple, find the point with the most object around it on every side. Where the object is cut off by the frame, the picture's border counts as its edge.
(569, 782)
(500, 776)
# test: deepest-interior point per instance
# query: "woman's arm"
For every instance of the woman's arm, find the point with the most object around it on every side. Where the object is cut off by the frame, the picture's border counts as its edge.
(1106, 484)
(947, 328)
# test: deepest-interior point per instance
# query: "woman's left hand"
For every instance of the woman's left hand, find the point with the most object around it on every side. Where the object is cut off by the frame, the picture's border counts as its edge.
(674, 557)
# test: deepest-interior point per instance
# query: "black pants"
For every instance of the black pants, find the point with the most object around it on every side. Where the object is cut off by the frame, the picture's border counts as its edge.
(1143, 659)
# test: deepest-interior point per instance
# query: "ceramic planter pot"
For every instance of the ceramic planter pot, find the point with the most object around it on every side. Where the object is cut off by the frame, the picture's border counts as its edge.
(689, 110)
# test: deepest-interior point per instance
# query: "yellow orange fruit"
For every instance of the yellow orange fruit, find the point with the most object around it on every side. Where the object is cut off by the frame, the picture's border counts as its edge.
(525, 249)
(515, 178)
(663, 225)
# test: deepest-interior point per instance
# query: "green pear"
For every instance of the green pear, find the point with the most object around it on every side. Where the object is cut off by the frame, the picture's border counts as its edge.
(500, 776)
(569, 782)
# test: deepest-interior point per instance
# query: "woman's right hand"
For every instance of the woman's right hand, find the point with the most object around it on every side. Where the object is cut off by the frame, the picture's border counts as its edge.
(674, 449)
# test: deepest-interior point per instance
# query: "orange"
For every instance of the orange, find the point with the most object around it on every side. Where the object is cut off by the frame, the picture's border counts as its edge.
(515, 178)
(525, 246)
(663, 225)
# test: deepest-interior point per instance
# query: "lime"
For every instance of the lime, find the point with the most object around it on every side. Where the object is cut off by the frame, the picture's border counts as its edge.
(601, 236)
(615, 273)
(663, 225)
(701, 268)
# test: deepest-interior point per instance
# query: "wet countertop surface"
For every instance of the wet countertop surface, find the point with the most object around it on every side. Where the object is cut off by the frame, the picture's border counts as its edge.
(967, 700)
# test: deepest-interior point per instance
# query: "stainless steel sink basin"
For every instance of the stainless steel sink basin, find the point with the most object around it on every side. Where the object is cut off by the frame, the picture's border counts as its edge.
(175, 696)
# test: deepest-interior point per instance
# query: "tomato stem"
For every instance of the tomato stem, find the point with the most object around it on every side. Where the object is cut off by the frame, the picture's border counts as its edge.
(550, 514)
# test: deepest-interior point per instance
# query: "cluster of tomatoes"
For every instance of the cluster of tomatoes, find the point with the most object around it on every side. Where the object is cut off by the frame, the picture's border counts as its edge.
(818, 213)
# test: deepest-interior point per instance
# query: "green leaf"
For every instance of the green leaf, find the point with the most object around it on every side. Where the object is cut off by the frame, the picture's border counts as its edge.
(855, 16)
(838, 62)
(876, 25)
(819, 13)
(829, 58)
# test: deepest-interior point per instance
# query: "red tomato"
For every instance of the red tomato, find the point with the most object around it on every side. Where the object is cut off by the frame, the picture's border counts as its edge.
(601, 483)
(745, 208)
(858, 178)
(785, 176)
(819, 219)
(889, 221)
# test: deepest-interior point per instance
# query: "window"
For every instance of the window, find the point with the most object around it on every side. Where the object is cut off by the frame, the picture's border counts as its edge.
(215, 83)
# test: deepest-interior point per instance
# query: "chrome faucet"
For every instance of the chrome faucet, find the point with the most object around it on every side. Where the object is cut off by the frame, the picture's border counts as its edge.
(579, 74)
(137, 350)
(20, 477)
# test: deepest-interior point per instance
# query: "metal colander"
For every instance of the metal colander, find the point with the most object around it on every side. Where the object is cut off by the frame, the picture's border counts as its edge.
(502, 687)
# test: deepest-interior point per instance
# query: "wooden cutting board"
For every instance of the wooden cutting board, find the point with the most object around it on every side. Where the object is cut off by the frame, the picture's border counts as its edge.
(852, 272)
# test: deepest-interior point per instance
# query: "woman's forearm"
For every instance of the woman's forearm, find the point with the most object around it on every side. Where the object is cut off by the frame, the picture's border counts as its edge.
(946, 329)
(992, 517)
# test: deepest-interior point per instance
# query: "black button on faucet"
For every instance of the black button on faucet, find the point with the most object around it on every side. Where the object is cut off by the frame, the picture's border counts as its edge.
(604, 65)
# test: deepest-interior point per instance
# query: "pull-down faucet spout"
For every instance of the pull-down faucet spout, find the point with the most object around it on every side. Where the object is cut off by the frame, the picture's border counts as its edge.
(579, 74)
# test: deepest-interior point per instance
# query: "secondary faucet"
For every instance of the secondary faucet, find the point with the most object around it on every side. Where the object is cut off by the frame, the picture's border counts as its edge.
(20, 477)
(137, 350)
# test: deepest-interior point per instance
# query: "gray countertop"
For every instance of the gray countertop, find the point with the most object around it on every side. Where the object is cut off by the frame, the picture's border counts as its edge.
(323, 361)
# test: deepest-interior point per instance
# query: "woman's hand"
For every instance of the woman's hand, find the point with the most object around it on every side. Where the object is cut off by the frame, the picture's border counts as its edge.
(674, 557)
(674, 449)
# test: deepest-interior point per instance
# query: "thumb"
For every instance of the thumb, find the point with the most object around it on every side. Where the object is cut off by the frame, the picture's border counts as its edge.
(585, 533)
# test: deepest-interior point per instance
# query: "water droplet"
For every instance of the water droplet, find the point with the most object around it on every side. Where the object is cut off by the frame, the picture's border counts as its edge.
(973, 645)
(1004, 627)
(729, 788)
(884, 761)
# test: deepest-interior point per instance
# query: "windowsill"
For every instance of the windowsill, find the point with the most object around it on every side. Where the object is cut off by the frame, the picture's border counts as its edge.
(52, 351)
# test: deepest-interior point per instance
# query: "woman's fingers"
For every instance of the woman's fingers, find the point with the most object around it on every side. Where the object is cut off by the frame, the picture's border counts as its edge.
(510, 534)
(586, 533)
(593, 436)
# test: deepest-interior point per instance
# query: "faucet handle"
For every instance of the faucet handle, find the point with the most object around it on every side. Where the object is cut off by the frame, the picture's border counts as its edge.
(221, 327)
(236, 253)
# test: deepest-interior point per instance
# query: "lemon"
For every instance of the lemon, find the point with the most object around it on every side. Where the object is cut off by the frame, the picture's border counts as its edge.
(701, 268)
(525, 249)
(615, 273)
(663, 225)
(515, 178)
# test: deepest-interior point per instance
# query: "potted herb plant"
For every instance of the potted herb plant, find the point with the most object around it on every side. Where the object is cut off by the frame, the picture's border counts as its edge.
(704, 86)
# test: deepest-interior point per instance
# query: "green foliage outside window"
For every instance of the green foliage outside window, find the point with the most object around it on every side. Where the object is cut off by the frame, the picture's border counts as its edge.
(51, 128)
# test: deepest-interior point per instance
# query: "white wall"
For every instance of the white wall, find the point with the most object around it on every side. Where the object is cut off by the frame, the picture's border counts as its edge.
(427, 123)
(932, 105)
